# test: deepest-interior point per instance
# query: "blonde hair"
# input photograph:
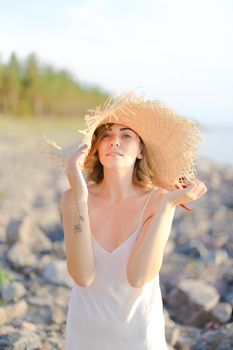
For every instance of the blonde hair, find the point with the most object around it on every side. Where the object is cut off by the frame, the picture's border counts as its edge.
(142, 172)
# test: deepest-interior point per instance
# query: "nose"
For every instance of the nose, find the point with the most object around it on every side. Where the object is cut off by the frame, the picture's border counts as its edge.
(114, 141)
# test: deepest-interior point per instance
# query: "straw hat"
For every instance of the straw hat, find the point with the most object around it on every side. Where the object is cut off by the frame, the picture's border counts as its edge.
(171, 140)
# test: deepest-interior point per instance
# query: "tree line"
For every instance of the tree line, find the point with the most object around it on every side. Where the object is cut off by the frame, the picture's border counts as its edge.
(29, 88)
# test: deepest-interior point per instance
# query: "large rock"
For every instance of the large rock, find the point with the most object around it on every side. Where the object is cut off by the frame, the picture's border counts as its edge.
(188, 337)
(173, 269)
(26, 340)
(20, 256)
(191, 300)
(217, 339)
(49, 221)
(171, 331)
(221, 313)
(195, 250)
(12, 311)
(169, 248)
(217, 256)
(191, 338)
(12, 291)
(13, 231)
(59, 314)
(56, 272)
(26, 230)
(229, 297)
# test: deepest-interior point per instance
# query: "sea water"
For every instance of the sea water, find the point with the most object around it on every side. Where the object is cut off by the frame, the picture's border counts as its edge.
(218, 144)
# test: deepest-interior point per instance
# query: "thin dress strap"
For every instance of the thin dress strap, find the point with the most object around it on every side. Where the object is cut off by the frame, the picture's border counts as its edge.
(145, 206)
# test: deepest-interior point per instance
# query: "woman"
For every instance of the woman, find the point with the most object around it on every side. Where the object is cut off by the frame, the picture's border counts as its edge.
(117, 222)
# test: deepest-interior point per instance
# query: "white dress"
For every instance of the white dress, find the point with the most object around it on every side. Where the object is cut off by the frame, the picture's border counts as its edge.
(110, 314)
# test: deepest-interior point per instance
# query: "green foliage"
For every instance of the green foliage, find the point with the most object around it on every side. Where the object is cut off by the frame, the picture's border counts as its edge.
(5, 276)
(29, 89)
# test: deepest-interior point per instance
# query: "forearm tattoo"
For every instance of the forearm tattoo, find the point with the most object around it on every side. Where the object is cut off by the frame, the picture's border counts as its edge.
(78, 228)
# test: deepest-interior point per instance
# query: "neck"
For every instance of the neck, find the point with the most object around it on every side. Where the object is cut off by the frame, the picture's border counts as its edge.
(117, 184)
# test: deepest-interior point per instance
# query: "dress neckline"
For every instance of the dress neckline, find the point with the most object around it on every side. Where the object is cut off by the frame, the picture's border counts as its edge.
(119, 246)
(127, 239)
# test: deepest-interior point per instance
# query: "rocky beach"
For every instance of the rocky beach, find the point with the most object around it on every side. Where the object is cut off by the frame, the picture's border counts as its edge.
(196, 277)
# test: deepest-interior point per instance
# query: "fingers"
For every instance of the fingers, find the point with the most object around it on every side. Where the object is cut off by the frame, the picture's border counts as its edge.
(81, 149)
(72, 163)
(195, 189)
(83, 145)
(202, 189)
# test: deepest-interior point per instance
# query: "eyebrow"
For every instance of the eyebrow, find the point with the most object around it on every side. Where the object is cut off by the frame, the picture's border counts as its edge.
(121, 129)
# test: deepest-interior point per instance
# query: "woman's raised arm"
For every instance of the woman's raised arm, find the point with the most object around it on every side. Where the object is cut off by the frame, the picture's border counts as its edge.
(146, 257)
(76, 224)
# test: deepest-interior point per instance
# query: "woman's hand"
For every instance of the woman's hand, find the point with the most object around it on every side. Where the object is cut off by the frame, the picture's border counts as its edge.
(74, 174)
(193, 190)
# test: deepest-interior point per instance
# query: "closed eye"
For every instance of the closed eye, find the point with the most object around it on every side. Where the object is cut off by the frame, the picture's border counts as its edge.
(125, 135)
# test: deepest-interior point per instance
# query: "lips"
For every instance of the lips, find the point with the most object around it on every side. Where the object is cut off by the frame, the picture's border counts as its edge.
(114, 152)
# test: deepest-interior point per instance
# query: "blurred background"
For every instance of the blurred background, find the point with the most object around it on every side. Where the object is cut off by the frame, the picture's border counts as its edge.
(58, 59)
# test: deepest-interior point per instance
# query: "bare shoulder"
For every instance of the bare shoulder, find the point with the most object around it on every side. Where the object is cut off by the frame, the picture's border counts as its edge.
(162, 192)
(92, 187)
(155, 200)
(159, 193)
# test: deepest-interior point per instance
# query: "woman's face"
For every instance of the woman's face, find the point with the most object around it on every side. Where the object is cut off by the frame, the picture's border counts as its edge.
(119, 147)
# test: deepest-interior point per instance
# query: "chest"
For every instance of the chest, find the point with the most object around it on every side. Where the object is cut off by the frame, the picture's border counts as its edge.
(111, 225)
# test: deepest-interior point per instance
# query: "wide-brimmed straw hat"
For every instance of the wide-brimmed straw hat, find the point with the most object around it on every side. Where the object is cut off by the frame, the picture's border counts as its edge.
(171, 140)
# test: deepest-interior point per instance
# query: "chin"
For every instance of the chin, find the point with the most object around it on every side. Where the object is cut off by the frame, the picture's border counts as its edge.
(111, 160)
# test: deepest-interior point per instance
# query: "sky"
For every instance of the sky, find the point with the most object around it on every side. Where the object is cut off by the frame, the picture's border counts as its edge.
(176, 51)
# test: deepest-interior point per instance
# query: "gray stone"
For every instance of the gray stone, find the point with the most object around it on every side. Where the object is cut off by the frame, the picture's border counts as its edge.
(172, 335)
(218, 339)
(169, 248)
(12, 311)
(28, 232)
(217, 256)
(12, 291)
(221, 312)
(227, 271)
(54, 343)
(173, 269)
(56, 272)
(59, 250)
(58, 314)
(48, 218)
(20, 256)
(229, 298)
(40, 314)
(38, 301)
(194, 250)
(20, 341)
(191, 300)
(12, 231)
(187, 337)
